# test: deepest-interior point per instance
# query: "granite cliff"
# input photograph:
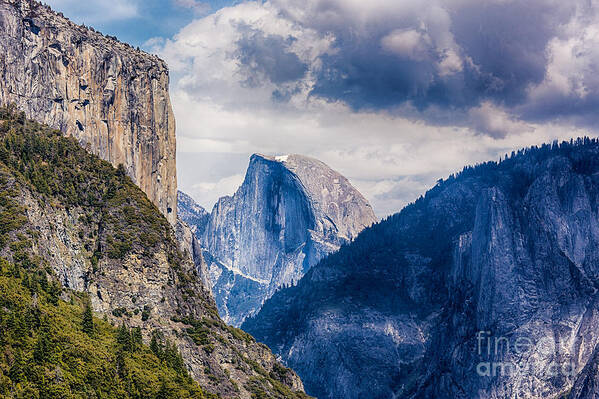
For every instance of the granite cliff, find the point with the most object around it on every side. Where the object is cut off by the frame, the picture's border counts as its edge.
(112, 98)
(289, 212)
(485, 287)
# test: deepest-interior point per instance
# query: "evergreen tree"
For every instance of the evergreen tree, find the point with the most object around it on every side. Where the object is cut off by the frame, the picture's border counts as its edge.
(120, 171)
(121, 366)
(145, 314)
(164, 391)
(124, 339)
(136, 338)
(43, 281)
(54, 291)
(42, 350)
(17, 370)
(173, 358)
(156, 346)
(88, 320)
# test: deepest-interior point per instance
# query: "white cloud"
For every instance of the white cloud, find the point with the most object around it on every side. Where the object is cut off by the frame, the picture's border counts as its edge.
(572, 69)
(495, 122)
(450, 63)
(207, 193)
(202, 55)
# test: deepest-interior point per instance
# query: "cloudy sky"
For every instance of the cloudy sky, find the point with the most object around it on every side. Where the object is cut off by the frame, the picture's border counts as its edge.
(394, 94)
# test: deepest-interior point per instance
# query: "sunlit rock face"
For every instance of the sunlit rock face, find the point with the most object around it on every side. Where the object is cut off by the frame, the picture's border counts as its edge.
(289, 212)
(113, 98)
(486, 287)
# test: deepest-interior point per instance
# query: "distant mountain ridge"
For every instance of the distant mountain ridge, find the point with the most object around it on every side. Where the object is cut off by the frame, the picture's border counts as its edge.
(503, 250)
(289, 212)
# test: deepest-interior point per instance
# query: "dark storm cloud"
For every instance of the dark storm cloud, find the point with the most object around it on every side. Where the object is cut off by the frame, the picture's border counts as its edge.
(268, 57)
(430, 60)
(574, 110)
(367, 78)
(507, 42)
(502, 46)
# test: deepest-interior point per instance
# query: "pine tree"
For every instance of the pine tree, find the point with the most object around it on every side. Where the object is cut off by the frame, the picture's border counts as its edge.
(121, 367)
(88, 320)
(124, 339)
(43, 281)
(54, 290)
(145, 314)
(136, 338)
(41, 352)
(156, 346)
(120, 171)
(17, 370)
(164, 391)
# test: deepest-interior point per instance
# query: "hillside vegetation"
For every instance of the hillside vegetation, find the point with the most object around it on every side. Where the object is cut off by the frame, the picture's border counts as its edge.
(51, 345)
(49, 349)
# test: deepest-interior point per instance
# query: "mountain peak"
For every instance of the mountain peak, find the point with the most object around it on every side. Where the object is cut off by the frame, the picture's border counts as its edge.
(336, 202)
(290, 211)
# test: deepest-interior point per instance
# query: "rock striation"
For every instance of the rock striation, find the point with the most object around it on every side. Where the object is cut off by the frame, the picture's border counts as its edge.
(112, 98)
(289, 212)
(485, 287)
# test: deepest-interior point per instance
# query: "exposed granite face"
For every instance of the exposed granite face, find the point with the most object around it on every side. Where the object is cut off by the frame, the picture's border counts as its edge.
(508, 250)
(112, 98)
(194, 215)
(190, 246)
(289, 212)
(340, 211)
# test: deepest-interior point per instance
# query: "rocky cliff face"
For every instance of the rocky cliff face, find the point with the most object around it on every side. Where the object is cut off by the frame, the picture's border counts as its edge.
(112, 98)
(289, 212)
(485, 287)
(194, 215)
(67, 213)
(190, 245)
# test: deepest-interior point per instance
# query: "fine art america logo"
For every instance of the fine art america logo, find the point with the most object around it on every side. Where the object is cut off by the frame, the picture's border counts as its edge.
(523, 356)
